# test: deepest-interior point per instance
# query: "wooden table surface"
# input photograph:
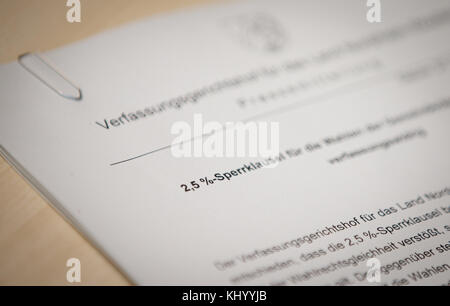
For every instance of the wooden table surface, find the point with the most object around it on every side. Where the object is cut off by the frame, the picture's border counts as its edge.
(35, 241)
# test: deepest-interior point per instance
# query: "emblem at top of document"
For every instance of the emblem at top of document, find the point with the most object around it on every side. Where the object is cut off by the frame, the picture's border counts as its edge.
(257, 31)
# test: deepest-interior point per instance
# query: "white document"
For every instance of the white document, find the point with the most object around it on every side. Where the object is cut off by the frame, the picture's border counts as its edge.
(364, 164)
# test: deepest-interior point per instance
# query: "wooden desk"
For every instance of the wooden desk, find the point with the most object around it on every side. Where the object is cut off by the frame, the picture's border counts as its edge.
(35, 242)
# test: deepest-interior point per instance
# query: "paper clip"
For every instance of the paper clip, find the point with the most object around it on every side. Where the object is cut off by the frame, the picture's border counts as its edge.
(50, 76)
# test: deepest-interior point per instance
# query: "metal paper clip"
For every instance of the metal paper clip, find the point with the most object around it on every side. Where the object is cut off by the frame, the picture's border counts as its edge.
(50, 76)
